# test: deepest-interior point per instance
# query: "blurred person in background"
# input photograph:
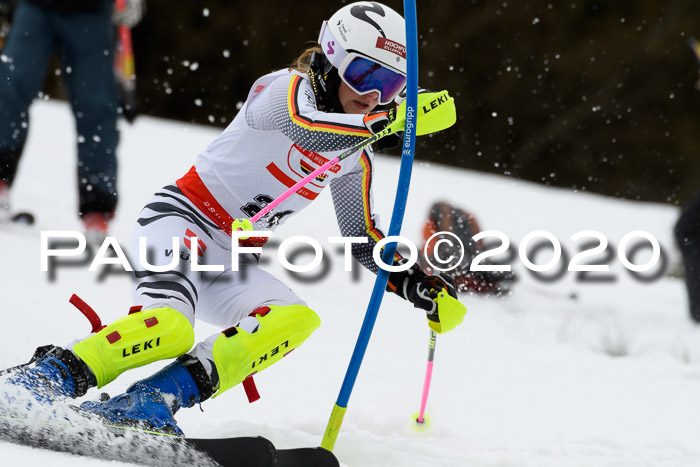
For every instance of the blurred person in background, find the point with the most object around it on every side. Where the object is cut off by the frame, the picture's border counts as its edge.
(446, 223)
(687, 233)
(81, 32)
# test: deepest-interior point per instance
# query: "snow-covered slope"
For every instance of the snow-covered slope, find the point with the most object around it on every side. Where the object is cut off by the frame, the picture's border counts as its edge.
(560, 373)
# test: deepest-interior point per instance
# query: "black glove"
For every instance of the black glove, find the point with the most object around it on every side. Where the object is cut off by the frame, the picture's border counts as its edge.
(376, 121)
(393, 140)
(420, 289)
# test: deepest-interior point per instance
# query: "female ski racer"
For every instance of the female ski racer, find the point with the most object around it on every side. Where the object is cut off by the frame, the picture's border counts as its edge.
(293, 121)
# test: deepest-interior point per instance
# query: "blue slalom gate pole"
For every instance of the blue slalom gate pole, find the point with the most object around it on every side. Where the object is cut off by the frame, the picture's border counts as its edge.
(407, 152)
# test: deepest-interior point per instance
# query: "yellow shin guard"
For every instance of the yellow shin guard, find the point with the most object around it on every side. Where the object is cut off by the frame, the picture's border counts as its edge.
(135, 340)
(238, 354)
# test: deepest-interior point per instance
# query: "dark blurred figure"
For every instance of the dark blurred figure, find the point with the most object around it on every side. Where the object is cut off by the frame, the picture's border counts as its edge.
(81, 32)
(687, 232)
(5, 18)
(444, 217)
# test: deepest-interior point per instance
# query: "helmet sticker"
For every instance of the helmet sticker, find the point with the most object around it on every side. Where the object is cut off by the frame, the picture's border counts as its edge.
(391, 46)
(360, 12)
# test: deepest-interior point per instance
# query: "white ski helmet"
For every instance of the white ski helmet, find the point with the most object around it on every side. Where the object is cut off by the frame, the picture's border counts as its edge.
(366, 43)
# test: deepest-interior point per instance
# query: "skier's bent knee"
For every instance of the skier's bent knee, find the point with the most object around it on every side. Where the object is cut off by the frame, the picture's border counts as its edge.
(239, 354)
(135, 340)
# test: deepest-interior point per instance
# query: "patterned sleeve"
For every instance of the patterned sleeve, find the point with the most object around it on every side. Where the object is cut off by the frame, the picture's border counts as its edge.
(289, 106)
(353, 201)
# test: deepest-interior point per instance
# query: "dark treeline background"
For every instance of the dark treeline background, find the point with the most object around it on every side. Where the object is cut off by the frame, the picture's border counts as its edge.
(596, 95)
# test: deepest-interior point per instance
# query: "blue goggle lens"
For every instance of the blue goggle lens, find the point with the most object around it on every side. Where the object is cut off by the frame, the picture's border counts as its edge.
(365, 75)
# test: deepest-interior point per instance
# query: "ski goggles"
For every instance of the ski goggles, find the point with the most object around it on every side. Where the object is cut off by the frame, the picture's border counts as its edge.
(364, 76)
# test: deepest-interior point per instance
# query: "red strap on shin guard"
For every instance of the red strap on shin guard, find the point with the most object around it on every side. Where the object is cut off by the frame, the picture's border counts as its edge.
(88, 312)
(248, 384)
(262, 311)
(250, 390)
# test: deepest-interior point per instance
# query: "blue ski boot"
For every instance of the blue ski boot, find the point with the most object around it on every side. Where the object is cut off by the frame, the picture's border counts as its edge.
(54, 373)
(151, 403)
